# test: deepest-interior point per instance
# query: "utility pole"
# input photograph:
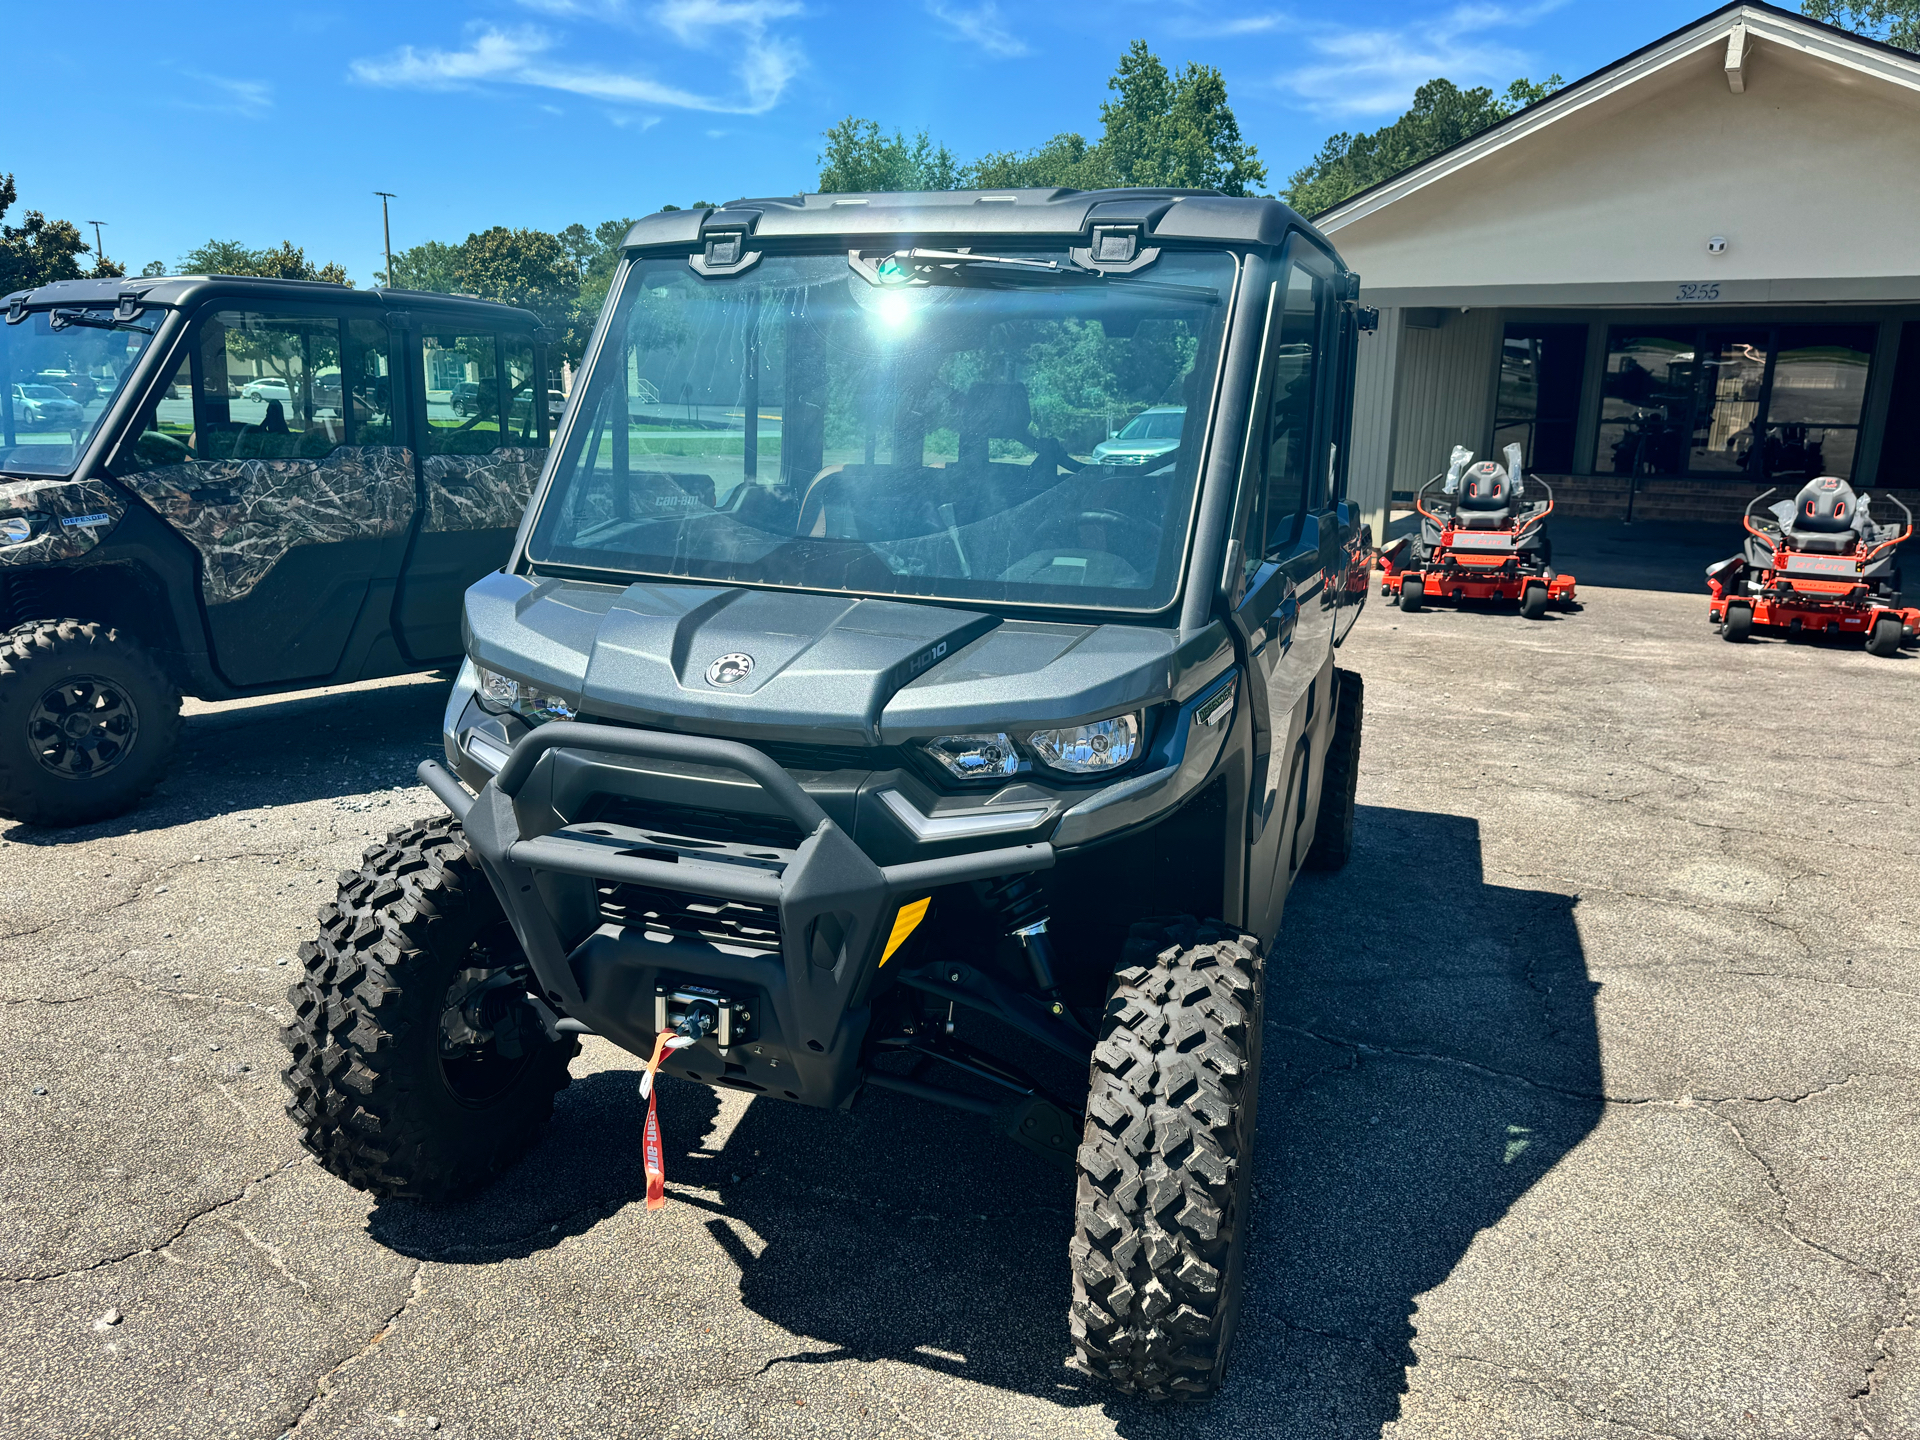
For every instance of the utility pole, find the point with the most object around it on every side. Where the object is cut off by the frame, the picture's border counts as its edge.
(99, 251)
(387, 233)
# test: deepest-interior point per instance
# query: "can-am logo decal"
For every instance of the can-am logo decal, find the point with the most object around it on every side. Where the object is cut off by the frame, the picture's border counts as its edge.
(729, 668)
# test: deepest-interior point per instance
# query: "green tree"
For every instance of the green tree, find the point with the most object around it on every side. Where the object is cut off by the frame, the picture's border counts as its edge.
(427, 266)
(39, 251)
(285, 261)
(1890, 20)
(528, 268)
(859, 157)
(1160, 130)
(1442, 115)
(153, 268)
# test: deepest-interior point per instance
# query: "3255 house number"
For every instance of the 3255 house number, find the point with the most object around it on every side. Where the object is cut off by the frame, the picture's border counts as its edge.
(1698, 290)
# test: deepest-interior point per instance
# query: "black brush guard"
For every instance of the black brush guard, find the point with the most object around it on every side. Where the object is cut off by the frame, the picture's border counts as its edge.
(835, 907)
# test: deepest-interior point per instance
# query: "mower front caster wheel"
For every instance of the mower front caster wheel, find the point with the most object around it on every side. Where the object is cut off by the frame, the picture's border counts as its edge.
(1166, 1161)
(1740, 620)
(1534, 602)
(1412, 593)
(1885, 637)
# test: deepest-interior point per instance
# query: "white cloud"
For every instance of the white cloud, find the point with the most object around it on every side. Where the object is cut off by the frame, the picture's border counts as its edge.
(530, 55)
(1364, 71)
(980, 23)
(233, 97)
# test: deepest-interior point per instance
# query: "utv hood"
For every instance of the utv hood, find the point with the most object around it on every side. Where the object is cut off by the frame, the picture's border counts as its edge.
(831, 670)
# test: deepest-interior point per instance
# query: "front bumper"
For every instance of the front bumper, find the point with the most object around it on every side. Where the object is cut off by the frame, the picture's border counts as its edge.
(610, 912)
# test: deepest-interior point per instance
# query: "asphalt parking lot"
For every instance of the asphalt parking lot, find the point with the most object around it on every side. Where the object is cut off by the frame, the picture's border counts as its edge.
(1590, 1108)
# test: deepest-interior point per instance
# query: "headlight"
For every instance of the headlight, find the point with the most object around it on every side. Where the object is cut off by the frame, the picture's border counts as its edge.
(978, 757)
(1084, 750)
(504, 693)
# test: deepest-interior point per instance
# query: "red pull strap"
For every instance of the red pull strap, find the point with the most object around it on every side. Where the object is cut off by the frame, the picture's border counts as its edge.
(650, 1152)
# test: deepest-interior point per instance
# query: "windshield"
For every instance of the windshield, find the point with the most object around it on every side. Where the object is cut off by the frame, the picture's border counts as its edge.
(829, 424)
(57, 381)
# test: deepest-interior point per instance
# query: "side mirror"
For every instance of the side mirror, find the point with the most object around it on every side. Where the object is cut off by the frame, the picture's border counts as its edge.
(1112, 434)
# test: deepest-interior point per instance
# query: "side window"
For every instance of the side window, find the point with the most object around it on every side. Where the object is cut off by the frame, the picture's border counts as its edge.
(163, 432)
(463, 394)
(1291, 478)
(267, 387)
(367, 374)
(526, 400)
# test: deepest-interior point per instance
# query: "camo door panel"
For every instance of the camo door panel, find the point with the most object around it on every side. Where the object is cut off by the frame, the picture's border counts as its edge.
(484, 442)
(271, 453)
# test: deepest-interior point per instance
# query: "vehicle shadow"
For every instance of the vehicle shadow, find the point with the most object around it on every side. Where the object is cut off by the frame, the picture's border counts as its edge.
(1430, 1052)
(311, 745)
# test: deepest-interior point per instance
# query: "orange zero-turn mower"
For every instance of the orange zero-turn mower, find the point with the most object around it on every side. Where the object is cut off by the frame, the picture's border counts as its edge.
(1486, 540)
(1821, 567)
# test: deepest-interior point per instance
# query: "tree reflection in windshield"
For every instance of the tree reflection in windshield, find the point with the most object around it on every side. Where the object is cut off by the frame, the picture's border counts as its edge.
(803, 425)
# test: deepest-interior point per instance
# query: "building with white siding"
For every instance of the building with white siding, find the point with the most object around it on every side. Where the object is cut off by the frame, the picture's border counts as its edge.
(1682, 279)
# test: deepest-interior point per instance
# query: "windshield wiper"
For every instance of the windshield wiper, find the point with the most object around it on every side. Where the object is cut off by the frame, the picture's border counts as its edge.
(945, 267)
(62, 317)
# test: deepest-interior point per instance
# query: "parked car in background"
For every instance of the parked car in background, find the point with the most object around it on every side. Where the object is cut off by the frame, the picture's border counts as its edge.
(267, 387)
(465, 397)
(44, 405)
(1153, 433)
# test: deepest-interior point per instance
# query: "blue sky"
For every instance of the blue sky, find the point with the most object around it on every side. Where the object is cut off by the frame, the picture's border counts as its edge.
(261, 124)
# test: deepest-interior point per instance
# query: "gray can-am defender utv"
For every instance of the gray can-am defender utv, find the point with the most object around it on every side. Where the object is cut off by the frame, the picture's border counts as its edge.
(232, 486)
(844, 677)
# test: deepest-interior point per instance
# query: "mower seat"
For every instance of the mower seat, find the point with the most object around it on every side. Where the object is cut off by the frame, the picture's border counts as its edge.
(1486, 500)
(1826, 517)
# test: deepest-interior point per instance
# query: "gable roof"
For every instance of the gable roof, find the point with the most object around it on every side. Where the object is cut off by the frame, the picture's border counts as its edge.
(1762, 21)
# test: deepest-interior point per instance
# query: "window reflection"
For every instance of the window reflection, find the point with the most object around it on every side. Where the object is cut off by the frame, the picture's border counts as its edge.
(1729, 372)
(1644, 403)
(1767, 402)
(1540, 393)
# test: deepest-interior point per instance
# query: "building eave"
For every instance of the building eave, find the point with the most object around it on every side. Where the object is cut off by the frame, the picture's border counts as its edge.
(1778, 27)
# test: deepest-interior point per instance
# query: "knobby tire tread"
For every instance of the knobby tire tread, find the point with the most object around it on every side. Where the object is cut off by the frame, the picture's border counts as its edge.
(1162, 1195)
(364, 1103)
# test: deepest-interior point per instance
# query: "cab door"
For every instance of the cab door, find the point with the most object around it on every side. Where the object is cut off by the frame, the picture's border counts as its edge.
(1291, 549)
(269, 446)
(480, 396)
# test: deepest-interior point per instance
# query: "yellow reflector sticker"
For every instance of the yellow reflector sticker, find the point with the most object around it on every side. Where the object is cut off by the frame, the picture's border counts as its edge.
(905, 919)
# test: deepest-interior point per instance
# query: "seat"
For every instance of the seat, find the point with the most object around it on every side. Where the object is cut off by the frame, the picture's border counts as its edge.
(1486, 499)
(1826, 517)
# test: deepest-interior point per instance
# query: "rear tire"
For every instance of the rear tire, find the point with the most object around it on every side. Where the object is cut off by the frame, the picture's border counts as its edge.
(1161, 1206)
(1340, 775)
(393, 1090)
(1740, 620)
(88, 722)
(1884, 637)
(1533, 601)
(1412, 591)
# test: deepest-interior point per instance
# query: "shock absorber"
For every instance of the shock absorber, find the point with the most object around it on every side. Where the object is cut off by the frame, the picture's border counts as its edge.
(1023, 909)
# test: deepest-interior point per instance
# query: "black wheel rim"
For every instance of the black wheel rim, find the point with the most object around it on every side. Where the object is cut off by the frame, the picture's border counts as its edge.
(83, 727)
(489, 1035)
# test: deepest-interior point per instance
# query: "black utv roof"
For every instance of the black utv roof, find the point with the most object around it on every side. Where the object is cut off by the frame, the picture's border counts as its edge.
(180, 291)
(1180, 215)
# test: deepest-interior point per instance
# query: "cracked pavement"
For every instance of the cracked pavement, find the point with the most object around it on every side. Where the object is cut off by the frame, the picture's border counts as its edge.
(1589, 1109)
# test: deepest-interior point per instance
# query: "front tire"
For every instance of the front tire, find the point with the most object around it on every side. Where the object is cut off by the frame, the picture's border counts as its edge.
(1740, 620)
(1165, 1166)
(1340, 776)
(1413, 590)
(1884, 638)
(88, 722)
(416, 1066)
(1533, 601)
